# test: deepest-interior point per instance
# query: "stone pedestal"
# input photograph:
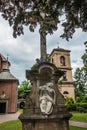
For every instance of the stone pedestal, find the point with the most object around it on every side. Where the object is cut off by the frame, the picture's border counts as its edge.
(45, 107)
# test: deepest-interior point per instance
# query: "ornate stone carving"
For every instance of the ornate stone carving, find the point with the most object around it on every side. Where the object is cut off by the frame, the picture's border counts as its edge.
(47, 98)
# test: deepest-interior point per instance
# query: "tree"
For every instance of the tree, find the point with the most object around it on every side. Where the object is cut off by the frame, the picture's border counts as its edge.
(47, 13)
(84, 58)
(79, 83)
(80, 77)
(24, 89)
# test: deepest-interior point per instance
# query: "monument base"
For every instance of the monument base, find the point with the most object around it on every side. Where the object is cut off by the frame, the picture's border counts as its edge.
(43, 122)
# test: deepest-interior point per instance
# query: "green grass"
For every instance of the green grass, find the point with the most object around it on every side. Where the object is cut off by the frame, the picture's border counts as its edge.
(82, 117)
(77, 128)
(20, 110)
(16, 125)
(11, 125)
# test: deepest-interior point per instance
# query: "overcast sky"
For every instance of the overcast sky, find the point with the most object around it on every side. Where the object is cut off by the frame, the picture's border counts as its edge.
(23, 50)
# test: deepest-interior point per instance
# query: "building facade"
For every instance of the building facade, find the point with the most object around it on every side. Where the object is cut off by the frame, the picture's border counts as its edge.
(8, 88)
(61, 59)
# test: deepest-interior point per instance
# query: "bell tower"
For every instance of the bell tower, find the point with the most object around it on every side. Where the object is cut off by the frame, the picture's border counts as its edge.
(61, 59)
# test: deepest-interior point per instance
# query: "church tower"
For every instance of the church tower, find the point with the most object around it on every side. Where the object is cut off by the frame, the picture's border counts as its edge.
(61, 59)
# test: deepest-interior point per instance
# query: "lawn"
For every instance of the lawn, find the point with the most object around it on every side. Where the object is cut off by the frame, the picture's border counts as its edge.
(77, 128)
(11, 125)
(20, 110)
(82, 117)
(16, 125)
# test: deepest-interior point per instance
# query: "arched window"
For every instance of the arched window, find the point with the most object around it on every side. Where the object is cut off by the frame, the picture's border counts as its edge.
(62, 60)
(65, 93)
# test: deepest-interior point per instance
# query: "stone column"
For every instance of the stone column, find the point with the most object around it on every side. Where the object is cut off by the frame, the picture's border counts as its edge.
(43, 42)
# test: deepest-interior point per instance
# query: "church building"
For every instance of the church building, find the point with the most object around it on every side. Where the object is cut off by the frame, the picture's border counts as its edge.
(8, 88)
(61, 59)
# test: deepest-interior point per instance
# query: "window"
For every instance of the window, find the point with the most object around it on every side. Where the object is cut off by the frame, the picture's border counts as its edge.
(52, 60)
(62, 61)
(65, 93)
(64, 76)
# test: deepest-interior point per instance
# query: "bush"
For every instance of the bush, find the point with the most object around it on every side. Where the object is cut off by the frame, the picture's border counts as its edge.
(81, 107)
(71, 107)
(84, 99)
(78, 99)
(70, 104)
(78, 106)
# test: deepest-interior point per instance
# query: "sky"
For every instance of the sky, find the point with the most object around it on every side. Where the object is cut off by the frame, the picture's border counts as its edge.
(23, 50)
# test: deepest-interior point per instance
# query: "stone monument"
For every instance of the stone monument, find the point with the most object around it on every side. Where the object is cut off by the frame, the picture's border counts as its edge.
(45, 107)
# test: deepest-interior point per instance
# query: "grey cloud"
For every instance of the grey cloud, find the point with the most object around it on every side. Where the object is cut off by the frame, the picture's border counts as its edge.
(25, 49)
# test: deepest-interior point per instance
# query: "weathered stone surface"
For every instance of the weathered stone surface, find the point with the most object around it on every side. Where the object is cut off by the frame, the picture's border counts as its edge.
(33, 117)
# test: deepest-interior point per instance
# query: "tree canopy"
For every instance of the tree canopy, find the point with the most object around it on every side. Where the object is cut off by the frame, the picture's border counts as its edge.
(20, 13)
(24, 89)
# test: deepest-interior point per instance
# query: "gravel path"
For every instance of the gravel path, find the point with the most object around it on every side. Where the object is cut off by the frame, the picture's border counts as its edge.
(9, 117)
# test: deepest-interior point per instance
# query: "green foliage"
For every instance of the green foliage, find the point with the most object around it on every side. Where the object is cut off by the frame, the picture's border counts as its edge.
(80, 77)
(76, 106)
(85, 43)
(80, 109)
(20, 13)
(78, 99)
(24, 89)
(70, 103)
(69, 100)
(80, 82)
(84, 99)
(84, 57)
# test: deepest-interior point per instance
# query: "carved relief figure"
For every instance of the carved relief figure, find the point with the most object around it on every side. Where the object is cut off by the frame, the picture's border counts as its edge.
(47, 98)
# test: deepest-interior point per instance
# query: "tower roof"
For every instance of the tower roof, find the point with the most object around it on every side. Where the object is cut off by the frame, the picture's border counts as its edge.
(59, 49)
(4, 59)
(6, 75)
